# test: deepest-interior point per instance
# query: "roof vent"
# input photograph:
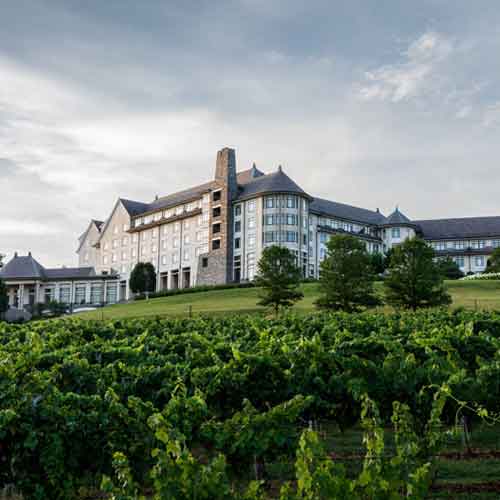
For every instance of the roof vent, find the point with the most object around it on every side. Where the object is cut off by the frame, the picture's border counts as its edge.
(15, 255)
(280, 168)
(157, 198)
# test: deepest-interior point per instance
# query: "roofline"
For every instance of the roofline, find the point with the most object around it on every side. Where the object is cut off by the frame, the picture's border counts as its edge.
(320, 212)
(261, 193)
(167, 207)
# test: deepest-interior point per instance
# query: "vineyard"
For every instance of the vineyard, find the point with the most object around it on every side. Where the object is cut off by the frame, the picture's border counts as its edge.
(368, 406)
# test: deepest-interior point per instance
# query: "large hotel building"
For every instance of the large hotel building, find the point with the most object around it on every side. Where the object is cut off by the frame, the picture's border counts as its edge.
(215, 232)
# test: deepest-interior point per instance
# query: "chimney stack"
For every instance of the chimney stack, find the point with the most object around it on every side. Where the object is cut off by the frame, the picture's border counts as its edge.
(225, 169)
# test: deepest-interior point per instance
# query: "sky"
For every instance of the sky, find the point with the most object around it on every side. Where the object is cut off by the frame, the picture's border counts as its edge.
(374, 103)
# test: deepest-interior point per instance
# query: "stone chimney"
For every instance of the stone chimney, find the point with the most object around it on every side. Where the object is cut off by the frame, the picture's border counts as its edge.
(225, 170)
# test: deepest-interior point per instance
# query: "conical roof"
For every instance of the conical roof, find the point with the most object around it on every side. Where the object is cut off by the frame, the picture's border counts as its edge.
(23, 267)
(397, 218)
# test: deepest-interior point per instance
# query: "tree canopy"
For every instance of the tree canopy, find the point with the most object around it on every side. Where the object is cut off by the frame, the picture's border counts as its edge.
(493, 265)
(279, 277)
(347, 276)
(143, 278)
(449, 269)
(414, 278)
(4, 299)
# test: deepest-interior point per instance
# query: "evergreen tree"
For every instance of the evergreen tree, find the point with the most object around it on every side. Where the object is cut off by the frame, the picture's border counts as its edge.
(4, 299)
(493, 264)
(279, 277)
(414, 278)
(346, 276)
(143, 278)
(449, 269)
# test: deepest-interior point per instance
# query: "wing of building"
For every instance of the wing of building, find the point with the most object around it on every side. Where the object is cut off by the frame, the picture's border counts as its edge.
(215, 232)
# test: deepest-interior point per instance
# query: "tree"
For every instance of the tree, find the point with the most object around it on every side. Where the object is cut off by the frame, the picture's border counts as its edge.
(414, 278)
(279, 277)
(143, 278)
(378, 262)
(4, 299)
(493, 264)
(449, 269)
(346, 276)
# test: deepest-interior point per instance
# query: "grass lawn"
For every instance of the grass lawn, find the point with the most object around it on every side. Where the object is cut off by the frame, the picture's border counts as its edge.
(470, 294)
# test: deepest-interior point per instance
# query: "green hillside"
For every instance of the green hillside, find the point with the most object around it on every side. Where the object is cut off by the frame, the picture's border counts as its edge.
(469, 294)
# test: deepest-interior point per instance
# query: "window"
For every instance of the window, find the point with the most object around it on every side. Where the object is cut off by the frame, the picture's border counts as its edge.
(217, 195)
(157, 216)
(168, 213)
(115, 230)
(179, 210)
(186, 224)
(96, 293)
(323, 237)
(251, 240)
(175, 242)
(291, 202)
(65, 294)
(291, 220)
(237, 210)
(322, 253)
(396, 232)
(105, 246)
(479, 261)
(105, 260)
(154, 248)
(204, 262)
(135, 238)
(80, 294)
(291, 236)
(123, 269)
(215, 244)
(237, 243)
(251, 206)
(164, 260)
(199, 220)
(237, 226)
(216, 228)
(206, 198)
(458, 245)
(269, 202)
(164, 244)
(186, 254)
(175, 258)
(251, 222)
(124, 256)
(268, 220)
(154, 232)
(460, 260)
(205, 217)
(270, 237)
(216, 212)
(124, 241)
(440, 245)
(177, 227)
(187, 239)
(134, 253)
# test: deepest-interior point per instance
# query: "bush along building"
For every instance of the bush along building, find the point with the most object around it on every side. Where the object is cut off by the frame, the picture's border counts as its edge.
(214, 233)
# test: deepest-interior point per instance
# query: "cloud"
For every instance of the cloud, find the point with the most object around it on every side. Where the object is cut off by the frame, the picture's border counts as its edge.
(491, 115)
(417, 75)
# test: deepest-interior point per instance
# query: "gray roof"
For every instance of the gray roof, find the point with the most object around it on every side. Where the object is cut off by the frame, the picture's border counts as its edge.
(277, 182)
(335, 209)
(469, 227)
(27, 268)
(70, 273)
(134, 207)
(397, 218)
(22, 268)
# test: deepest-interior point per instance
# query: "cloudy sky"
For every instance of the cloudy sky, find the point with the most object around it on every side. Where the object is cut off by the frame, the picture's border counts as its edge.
(369, 102)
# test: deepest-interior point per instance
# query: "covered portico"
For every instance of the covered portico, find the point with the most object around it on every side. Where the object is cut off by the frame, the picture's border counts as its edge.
(28, 283)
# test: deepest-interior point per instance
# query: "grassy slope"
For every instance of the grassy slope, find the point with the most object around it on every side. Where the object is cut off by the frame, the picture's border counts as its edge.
(244, 300)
